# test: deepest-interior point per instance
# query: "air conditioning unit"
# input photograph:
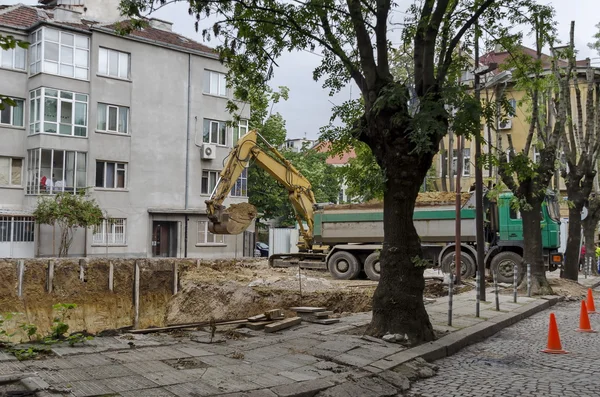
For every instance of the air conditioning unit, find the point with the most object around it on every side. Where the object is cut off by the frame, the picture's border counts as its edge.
(505, 124)
(208, 152)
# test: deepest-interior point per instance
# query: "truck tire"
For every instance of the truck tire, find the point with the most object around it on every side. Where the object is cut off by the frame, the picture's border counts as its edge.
(467, 265)
(372, 267)
(503, 265)
(343, 265)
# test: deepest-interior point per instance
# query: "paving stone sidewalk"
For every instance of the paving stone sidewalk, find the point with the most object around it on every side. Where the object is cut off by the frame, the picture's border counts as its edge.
(301, 361)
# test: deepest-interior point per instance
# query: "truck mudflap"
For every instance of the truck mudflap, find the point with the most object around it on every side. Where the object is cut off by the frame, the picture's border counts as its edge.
(305, 260)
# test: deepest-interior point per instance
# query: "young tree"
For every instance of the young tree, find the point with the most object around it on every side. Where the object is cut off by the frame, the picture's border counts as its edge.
(581, 145)
(354, 37)
(529, 181)
(68, 211)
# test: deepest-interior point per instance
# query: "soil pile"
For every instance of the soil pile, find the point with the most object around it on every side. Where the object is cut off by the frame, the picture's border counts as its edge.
(563, 287)
(426, 199)
(240, 217)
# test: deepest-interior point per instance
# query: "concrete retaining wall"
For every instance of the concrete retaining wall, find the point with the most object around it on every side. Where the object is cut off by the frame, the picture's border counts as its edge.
(109, 294)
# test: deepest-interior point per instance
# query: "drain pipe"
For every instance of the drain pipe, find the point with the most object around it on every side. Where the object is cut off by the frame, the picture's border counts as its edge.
(187, 156)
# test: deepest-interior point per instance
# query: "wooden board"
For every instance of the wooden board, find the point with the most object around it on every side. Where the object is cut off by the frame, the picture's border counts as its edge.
(258, 317)
(257, 326)
(308, 309)
(275, 314)
(283, 324)
(325, 321)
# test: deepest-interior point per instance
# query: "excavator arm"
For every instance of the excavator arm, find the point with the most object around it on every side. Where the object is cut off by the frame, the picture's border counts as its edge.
(228, 221)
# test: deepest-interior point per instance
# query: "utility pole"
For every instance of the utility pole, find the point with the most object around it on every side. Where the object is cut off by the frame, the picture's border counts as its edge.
(459, 170)
(479, 181)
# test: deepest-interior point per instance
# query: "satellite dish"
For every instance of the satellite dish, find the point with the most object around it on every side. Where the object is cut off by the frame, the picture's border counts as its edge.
(584, 213)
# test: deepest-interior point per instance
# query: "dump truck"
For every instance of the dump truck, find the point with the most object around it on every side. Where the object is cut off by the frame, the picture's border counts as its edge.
(347, 239)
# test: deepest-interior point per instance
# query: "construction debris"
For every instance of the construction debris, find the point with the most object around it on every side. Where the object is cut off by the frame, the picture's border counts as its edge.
(258, 326)
(257, 318)
(275, 314)
(318, 315)
(283, 324)
(308, 309)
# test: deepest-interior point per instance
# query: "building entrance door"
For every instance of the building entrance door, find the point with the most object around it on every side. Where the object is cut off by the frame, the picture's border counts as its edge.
(164, 239)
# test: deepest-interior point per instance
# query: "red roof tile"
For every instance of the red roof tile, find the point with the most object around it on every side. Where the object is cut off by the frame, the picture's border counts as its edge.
(338, 159)
(21, 16)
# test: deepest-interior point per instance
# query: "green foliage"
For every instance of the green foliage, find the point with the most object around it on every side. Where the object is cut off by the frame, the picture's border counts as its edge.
(68, 211)
(4, 335)
(595, 45)
(30, 330)
(362, 175)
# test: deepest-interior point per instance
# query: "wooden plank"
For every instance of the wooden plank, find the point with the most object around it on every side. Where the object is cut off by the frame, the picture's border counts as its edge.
(275, 314)
(323, 314)
(308, 309)
(258, 317)
(283, 324)
(182, 326)
(257, 326)
(325, 321)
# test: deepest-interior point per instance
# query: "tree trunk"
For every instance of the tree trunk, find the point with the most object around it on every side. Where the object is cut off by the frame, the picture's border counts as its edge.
(400, 310)
(589, 232)
(533, 248)
(571, 270)
(444, 170)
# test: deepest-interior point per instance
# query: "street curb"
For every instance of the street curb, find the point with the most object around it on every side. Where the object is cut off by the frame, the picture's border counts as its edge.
(451, 344)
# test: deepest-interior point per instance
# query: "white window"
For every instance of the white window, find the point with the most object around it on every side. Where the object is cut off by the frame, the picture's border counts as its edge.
(239, 131)
(112, 231)
(536, 154)
(57, 112)
(13, 58)
(209, 181)
(13, 115)
(111, 175)
(18, 229)
(57, 52)
(215, 83)
(50, 171)
(10, 171)
(113, 118)
(215, 132)
(513, 104)
(113, 63)
(206, 237)
(466, 162)
(241, 185)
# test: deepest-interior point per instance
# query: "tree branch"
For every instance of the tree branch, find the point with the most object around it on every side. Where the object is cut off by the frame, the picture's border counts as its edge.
(383, 67)
(363, 41)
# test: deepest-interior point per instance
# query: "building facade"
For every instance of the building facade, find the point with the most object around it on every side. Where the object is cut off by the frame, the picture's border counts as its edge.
(139, 121)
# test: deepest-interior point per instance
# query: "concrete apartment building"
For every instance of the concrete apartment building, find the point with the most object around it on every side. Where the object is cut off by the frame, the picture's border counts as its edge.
(140, 120)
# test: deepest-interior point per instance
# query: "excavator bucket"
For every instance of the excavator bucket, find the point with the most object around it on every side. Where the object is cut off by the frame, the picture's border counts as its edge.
(232, 220)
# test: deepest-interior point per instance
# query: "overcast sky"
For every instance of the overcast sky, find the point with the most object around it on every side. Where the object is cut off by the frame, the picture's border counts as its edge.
(309, 106)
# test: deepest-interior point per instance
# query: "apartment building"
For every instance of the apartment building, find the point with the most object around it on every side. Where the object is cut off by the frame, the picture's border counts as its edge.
(138, 120)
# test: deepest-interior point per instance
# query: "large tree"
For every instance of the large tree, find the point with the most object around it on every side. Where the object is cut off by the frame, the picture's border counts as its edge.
(355, 37)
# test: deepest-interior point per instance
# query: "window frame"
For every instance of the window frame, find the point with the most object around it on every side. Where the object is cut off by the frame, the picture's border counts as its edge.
(236, 134)
(23, 233)
(115, 176)
(204, 230)
(34, 171)
(38, 62)
(107, 108)
(11, 183)
(118, 74)
(221, 78)
(208, 191)
(101, 236)
(220, 133)
(239, 185)
(13, 56)
(37, 108)
(12, 114)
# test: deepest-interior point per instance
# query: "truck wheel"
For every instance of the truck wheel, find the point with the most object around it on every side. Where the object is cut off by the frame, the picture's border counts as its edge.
(503, 265)
(467, 265)
(343, 265)
(372, 266)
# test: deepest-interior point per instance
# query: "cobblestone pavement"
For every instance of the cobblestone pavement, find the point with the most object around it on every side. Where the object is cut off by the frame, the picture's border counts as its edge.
(511, 362)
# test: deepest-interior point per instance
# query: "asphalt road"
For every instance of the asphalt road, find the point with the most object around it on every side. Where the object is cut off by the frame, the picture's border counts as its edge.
(511, 362)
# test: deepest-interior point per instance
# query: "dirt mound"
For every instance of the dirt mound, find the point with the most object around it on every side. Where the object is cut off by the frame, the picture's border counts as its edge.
(563, 287)
(423, 200)
(239, 216)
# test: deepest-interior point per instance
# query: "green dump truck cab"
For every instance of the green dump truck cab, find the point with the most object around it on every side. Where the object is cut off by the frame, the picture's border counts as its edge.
(355, 234)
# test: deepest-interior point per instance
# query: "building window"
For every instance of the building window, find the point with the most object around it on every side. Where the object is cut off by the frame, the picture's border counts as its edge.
(111, 231)
(215, 132)
(62, 53)
(13, 115)
(215, 83)
(113, 63)
(206, 237)
(466, 162)
(239, 131)
(13, 58)
(10, 171)
(209, 181)
(241, 185)
(51, 171)
(113, 118)
(57, 112)
(18, 229)
(536, 155)
(513, 105)
(110, 175)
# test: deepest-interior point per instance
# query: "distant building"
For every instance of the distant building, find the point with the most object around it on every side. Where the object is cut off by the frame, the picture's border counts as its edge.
(298, 144)
(138, 120)
(338, 161)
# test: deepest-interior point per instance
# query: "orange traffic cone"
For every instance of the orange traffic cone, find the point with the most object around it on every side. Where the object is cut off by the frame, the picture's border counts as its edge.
(590, 302)
(584, 320)
(554, 346)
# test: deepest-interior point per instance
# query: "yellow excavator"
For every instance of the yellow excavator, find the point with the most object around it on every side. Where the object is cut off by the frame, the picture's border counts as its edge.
(238, 217)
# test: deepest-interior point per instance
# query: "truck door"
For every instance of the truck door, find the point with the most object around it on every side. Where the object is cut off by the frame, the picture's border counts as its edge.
(514, 224)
